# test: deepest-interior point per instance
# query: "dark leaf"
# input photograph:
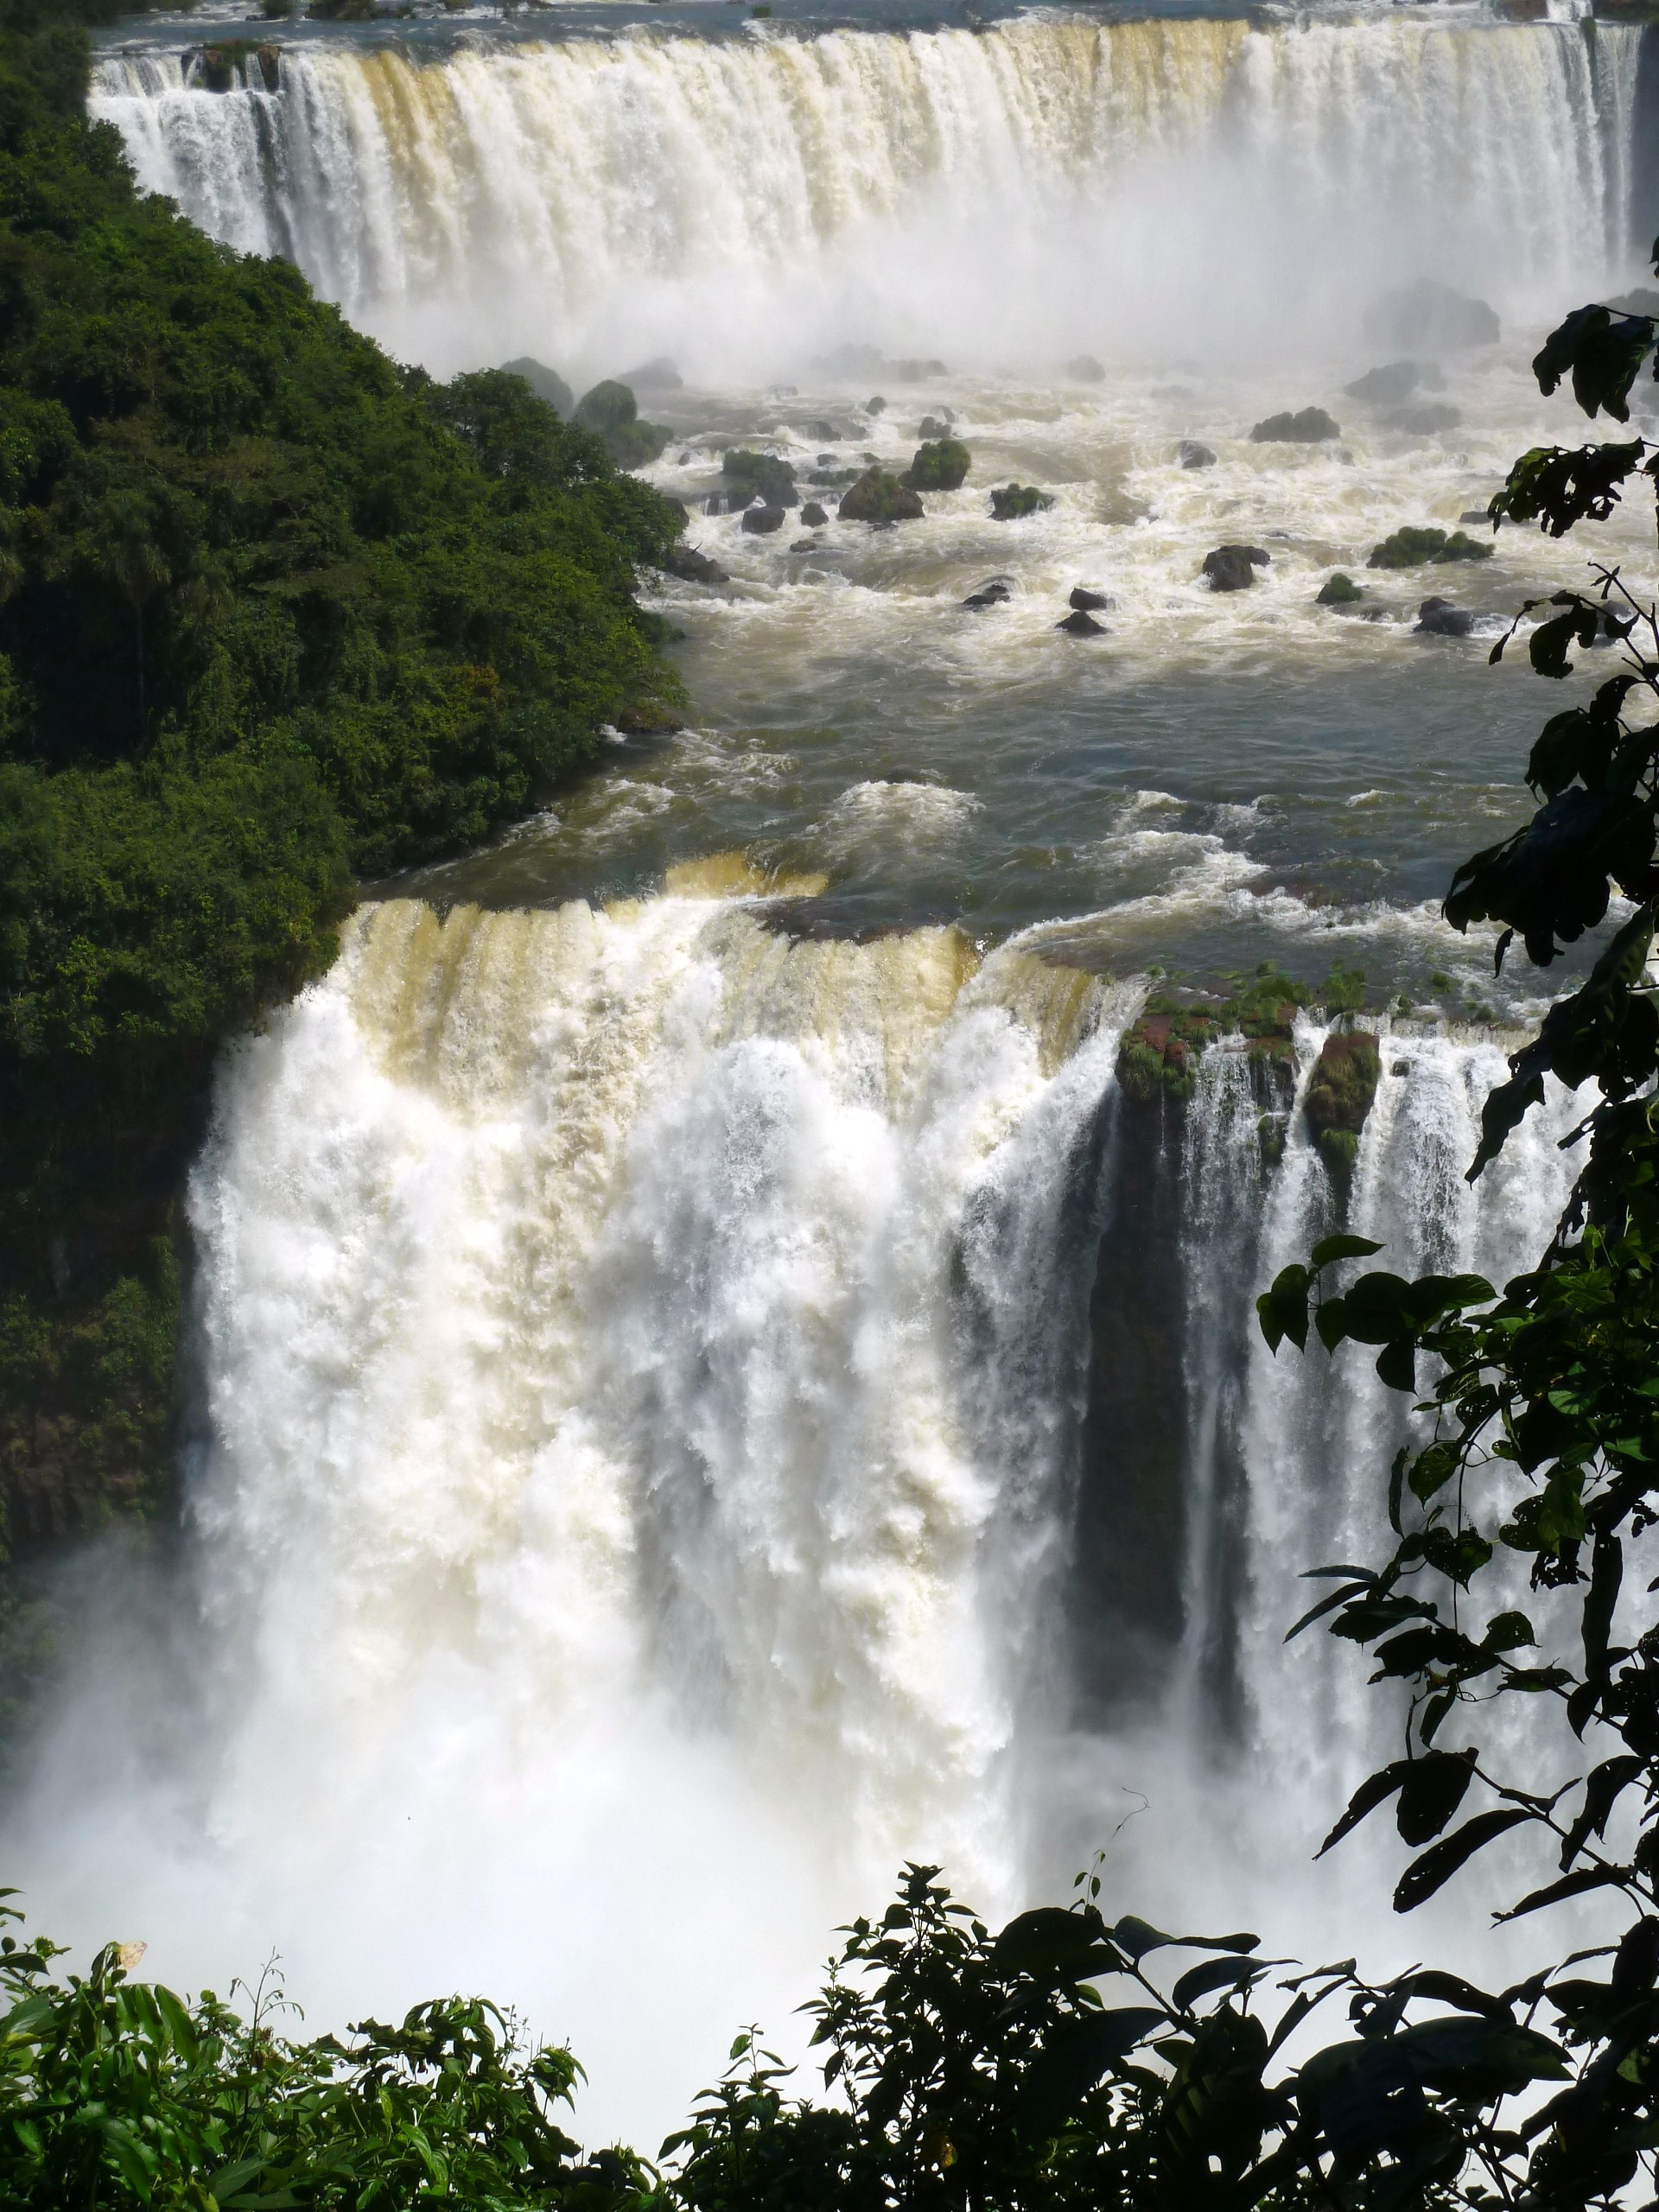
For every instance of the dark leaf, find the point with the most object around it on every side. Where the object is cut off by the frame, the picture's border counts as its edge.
(1437, 1864)
(1075, 2055)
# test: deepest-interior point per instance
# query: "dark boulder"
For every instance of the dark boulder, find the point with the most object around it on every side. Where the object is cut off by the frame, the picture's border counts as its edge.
(994, 593)
(803, 545)
(761, 522)
(1309, 426)
(1410, 549)
(1089, 603)
(1432, 316)
(1232, 567)
(826, 430)
(692, 567)
(941, 465)
(1394, 381)
(1426, 419)
(1084, 368)
(546, 383)
(878, 496)
(1479, 515)
(876, 406)
(1191, 452)
(1081, 625)
(759, 476)
(1339, 590)
(1438, 618)
(612, 412)
(1012, 502)
(658, 375)
(813, 515)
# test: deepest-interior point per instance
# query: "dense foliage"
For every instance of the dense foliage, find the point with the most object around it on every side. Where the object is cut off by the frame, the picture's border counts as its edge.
(273, 611)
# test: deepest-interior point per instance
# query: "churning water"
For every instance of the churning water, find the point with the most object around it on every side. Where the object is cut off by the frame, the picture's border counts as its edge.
(667, 1445)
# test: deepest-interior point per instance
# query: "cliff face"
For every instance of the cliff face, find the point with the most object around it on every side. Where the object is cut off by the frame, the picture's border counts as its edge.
(1200, 1115)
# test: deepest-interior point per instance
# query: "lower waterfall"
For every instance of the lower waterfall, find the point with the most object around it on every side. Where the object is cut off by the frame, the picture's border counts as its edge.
(664, 1462)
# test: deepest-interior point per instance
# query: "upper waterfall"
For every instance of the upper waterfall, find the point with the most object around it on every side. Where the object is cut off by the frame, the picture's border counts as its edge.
(1043, 184)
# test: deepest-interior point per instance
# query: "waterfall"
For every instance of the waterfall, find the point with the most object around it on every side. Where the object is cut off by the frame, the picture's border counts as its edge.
(664, 1453)
(747, 199)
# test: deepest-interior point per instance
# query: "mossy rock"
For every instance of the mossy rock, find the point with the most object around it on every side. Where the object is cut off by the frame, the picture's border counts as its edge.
(546, 383)
(1411, 549)
(1340, 1094)
(942, 464)
(1308, 426)
(608, 406)
(880, 497)
(749, 472)
(1013, 502)
(1339, 590)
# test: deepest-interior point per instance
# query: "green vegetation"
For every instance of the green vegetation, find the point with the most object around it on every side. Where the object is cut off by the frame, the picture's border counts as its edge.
(941, 465)
(1013, 502)
(1410, 549)
(273, 611)
(611, 413)
(1159, 1054)
(878, 496)
(1339, 590)
(1340, 1093)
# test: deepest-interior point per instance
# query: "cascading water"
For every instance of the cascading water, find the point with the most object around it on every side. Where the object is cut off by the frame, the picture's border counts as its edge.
(695, 1407)
(750, 199)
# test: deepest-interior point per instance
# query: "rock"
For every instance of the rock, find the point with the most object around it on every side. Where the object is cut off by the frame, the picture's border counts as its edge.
(1232, 567)
(803, 545)
(1424, 420)
(546, 383)
(1339, 590)
(1432, 316)
(1340, 1094)
(1399, 1067)
(1410, 549)
(759, 476)
(994, 592)
(1012, 502)
(824, 430)
(1081, 625)
(813, 515)
(611, 410)
(608, 406)
(1438, 618)
(916, 372)
(1089, 603)
(1311, 426)
(878, 496)
(658, 375)
(1643, 300)
(936, 426)
(692, 567)
(876, 406)
(941, 466)
(1084, 368)
(1394, 381)
(1192, 453)
(761, 522)
(852, 361)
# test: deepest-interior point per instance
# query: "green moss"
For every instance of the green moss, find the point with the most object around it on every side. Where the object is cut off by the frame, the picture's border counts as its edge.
(749, 473)
(942, 464)
(1411, 549)
(1339, 590)
(1012, 502)
(1340, 1094)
